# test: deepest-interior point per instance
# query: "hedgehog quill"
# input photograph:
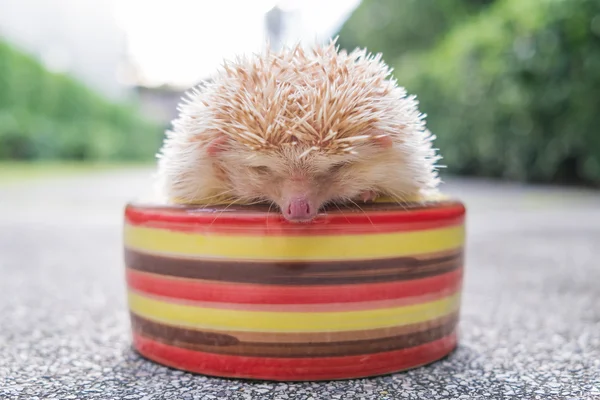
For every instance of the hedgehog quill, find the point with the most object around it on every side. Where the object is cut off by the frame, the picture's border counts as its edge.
(299, 129)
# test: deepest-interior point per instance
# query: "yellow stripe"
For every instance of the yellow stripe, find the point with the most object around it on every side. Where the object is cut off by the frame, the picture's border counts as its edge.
(264, 321)
(342, 247)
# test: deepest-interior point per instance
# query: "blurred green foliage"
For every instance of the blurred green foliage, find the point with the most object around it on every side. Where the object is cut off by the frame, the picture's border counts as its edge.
(44, 115)
(511, 90)
(395, 27)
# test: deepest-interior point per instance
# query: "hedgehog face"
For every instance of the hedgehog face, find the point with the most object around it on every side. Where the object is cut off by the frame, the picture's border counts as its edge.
(301, 186)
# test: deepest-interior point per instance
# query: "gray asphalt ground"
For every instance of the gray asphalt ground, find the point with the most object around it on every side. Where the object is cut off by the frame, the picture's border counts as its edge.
(530, 325)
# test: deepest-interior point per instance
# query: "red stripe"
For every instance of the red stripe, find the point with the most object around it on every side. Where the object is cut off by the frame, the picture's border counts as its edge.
(265, 223)
(294, 369)
(197, 290)
(313, 308)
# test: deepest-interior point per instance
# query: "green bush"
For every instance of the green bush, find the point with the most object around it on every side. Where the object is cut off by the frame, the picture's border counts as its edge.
(44, 115)
(514, 92)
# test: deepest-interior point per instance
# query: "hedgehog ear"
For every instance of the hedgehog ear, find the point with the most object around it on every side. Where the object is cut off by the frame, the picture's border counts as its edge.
(216, 145)
(384, 141)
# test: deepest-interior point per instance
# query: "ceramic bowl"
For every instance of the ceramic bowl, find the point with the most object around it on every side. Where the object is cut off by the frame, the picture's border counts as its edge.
(237, 291)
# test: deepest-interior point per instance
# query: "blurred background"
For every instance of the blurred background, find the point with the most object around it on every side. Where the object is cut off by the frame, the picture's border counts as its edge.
(511, 87)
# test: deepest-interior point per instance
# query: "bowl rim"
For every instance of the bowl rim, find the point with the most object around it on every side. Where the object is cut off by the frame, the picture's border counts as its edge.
(380, 212)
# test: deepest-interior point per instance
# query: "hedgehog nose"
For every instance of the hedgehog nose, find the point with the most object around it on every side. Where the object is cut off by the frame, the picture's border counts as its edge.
(298, 209)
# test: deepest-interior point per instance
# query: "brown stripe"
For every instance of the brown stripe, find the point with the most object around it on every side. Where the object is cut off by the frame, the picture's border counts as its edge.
(297, 337)
(332, 344)
(298, 272)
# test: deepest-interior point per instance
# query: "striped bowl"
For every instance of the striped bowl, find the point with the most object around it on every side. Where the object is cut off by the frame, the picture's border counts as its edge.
(240, 292)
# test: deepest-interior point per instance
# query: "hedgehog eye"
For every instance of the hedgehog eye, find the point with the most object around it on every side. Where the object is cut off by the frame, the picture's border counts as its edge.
(338, 167)
(261, 169)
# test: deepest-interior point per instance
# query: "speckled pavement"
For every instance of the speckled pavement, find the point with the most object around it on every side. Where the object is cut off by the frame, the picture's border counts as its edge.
(530, 324)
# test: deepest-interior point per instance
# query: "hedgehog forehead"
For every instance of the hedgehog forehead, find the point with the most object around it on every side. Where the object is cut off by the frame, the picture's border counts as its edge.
(291, 159)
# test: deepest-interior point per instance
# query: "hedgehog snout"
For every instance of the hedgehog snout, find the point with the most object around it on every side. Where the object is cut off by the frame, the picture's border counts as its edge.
(298, 209)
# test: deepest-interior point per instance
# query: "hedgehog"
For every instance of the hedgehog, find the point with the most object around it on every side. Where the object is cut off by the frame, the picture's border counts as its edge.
(299, 128)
